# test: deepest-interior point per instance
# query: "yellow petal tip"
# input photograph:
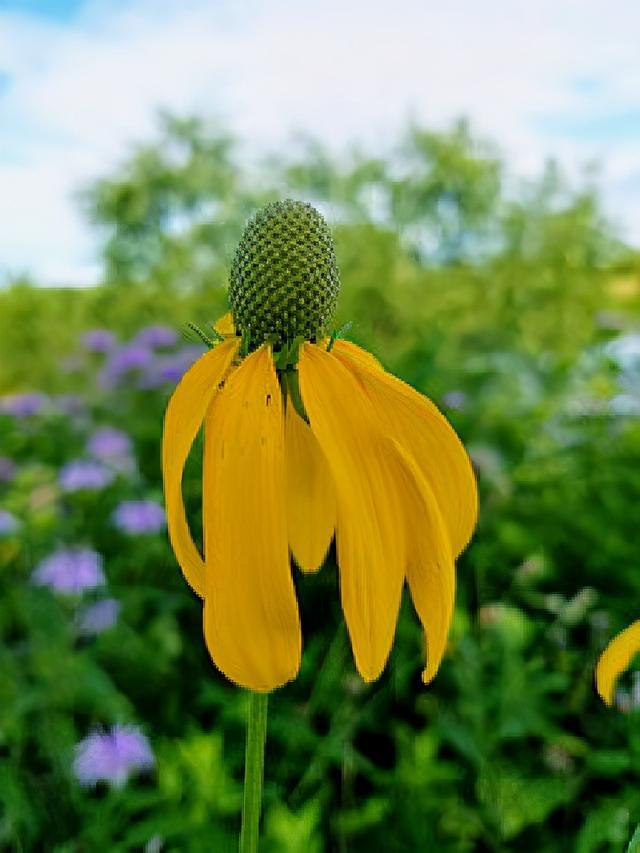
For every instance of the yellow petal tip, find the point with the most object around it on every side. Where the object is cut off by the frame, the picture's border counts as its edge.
(427, 677)
(615, 659)
(225, 325)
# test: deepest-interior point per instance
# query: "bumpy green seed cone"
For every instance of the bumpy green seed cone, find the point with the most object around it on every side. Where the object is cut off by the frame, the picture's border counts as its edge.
(284, 279)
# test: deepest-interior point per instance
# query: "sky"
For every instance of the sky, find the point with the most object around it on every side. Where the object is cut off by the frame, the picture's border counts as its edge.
(81, 82)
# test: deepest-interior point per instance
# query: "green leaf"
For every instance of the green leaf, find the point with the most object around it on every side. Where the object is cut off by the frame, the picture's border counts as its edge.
(517, 802)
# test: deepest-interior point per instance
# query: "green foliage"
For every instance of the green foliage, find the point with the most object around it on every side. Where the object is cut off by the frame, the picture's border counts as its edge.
(504, 309)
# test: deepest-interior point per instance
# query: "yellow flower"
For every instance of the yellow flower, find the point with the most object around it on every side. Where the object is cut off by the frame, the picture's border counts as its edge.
(615, 659)
(306, 438)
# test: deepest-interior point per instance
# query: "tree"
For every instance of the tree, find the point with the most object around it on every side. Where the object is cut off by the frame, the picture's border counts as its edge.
(174, 209)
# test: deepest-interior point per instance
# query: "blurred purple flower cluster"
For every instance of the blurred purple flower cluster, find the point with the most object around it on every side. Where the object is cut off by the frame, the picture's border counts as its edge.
(455, 400)
(7, 469)
(84, 475)
(23, 405)
(129, 359)
(98, 617)
(70, 571)
(8, 523)
(112, 756)
(108, 442)
(149, 360)
(88, 455)
(74, 571)
(99, 341)
(169, 369)
(134, 517)
(157, 337)
(112, 447)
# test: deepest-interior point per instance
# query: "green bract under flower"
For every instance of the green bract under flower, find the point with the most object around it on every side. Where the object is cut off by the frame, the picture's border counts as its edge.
(284, 280)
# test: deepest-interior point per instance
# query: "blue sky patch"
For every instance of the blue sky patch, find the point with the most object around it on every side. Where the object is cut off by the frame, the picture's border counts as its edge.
(58, 10)
(596, 127)
(587, 85)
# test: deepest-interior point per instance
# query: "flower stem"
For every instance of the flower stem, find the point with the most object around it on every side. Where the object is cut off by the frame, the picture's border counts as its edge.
(253, 771)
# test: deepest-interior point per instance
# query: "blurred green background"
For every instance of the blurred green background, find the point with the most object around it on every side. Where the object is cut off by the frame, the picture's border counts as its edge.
(518, 312)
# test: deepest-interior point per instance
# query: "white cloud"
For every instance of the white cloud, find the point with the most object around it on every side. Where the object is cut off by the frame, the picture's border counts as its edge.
(79, 94)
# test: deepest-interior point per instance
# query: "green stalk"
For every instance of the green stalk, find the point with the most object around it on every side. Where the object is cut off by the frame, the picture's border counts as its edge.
(253, 771)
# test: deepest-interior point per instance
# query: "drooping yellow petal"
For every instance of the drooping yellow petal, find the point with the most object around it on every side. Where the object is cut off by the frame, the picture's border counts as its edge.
(615, 659)
(419, 426)
(184, 415)
(311, 503)
(225, 325)
(357, 354)
(251, 621)
(370, 530)
(430, 566)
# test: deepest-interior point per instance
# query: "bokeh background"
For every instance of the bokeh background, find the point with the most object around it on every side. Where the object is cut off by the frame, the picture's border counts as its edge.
(479, 166)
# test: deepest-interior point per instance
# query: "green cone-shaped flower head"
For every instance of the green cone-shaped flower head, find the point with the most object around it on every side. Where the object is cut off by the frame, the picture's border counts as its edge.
(284, 279)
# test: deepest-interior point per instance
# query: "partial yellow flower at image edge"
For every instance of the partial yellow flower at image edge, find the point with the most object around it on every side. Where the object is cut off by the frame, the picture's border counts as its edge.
(615, 659)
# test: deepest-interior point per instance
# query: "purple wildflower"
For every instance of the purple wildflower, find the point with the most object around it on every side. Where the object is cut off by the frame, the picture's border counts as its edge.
(112, 447)
(23, 405)
(169, 369)
(108, 442)
(173, 368)
(98, 617)
(132, 358)
(84, 474)
(455, 400)
(70, 570)
(112, 756)
(139, 517)
(157, 337)
(129, 358)
(99, 341)
(7, 469)
(8, 523)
